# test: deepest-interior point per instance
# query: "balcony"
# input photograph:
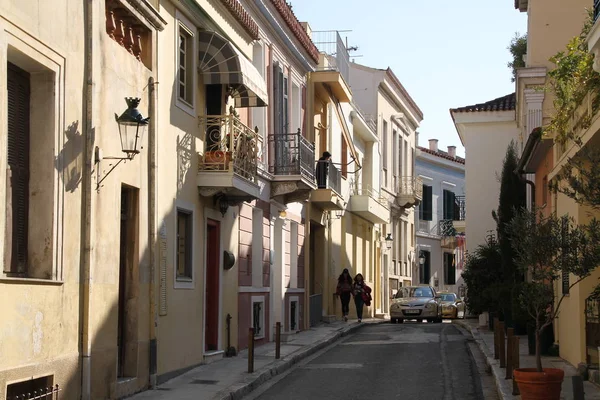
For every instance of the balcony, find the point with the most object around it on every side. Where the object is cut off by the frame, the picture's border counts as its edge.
(327, 196)
(460, 214)
(229, 164)
(369, 204)
(334, 64)
(292, 167)
(409, 191)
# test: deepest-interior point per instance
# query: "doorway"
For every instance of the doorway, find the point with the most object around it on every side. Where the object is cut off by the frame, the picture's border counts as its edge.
(128, 285)
(213, 251)
(214, 107)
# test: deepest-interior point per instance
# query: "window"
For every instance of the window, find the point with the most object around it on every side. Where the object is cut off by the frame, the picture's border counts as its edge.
(258, 316)
(184, 245)
(425, 269)
(18, 168)
(294, 313)
(259, 114)
(30, 168)
(565, 283)
(385, 154)
(449, 204)
(394, 267)
(545, 190)
(426, 205)
(449, 269)
(40, 386)
(185, 59)
(395, 161)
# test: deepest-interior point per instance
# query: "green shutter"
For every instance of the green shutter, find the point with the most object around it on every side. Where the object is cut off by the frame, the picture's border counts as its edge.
(427, 203)
(18, 163)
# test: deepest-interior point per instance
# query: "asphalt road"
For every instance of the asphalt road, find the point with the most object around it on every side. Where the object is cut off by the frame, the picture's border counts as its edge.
(388, 361)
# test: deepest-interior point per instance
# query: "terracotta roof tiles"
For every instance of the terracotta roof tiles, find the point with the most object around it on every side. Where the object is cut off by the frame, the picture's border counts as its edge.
(241, 15)
(504, 103)
(442, 154)
(292, 21)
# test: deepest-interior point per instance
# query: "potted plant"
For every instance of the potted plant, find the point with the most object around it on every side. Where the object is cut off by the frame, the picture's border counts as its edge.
(548, 247)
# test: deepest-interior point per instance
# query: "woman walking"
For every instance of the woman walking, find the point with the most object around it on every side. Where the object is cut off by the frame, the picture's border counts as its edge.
(344, 290)
(362, 295)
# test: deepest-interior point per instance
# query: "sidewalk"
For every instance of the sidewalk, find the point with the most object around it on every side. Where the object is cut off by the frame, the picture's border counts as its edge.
(229, 378)
(485, 340)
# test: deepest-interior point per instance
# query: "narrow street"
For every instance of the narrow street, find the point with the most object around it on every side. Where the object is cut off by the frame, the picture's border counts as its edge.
(389, 361)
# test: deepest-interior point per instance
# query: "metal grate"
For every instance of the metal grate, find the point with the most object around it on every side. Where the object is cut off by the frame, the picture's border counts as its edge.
(49, 393)
(293, 155)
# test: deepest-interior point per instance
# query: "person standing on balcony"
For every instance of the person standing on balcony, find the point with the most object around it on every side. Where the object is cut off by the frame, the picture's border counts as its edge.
(344, 291)
(362, 295)
(322, 170)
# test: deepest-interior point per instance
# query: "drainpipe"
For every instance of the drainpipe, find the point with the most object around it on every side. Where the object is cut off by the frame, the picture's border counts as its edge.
(521, 174)
(152, 165)
(86, 208)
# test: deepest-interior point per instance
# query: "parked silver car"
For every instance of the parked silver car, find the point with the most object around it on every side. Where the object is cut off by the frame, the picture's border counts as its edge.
(416, 302)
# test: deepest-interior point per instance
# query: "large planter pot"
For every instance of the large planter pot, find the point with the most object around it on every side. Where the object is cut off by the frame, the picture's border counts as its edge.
(535, 385)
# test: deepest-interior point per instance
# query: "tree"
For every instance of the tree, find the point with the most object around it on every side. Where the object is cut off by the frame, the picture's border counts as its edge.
(512, 198)
(483, 277)
(549, 246)
(517, 48)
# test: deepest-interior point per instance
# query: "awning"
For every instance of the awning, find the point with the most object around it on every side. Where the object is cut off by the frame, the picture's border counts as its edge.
(222, 63)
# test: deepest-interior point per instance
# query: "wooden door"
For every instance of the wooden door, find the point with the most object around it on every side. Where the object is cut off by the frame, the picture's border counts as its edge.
(213, 250)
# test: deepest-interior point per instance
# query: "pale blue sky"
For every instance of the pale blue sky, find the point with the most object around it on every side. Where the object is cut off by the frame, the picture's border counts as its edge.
(446, 53)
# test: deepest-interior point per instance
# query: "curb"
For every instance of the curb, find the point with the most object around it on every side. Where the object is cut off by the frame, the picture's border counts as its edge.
(499, 377)
(238, 390)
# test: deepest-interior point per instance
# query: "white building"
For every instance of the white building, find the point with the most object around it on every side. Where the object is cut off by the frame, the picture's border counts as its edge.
(440, 218)
(396, 116)
(485, 130)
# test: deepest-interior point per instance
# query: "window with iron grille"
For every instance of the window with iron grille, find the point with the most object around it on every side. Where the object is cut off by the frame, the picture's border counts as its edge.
(18, 170)
(184, 244)
(258, 318)
(565, 283)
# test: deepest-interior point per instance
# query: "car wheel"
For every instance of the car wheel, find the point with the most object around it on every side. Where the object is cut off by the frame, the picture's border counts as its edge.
(393, 320)
(400, 321)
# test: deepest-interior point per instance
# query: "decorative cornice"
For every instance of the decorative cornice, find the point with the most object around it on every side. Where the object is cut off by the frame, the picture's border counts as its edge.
(292, 22)
(237, 10)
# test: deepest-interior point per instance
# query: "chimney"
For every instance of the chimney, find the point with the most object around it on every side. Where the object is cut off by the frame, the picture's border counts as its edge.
(452, 151)
(433, 144)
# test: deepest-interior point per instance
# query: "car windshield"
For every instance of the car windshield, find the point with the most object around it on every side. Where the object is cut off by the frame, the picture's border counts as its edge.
(448, 296)
(414, 292)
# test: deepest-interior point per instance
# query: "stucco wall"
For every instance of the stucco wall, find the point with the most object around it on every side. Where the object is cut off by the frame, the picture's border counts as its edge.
(39, 330)
(485, 148)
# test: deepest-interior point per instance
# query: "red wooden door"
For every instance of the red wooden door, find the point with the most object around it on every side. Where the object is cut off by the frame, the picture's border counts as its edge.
(213, 250)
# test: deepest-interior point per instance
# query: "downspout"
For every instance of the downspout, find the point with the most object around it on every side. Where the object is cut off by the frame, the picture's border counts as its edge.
(152, 165)
(86, 208)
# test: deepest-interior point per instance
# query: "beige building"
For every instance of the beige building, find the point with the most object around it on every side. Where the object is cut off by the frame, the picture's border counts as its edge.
(544, 159)
(396, 117)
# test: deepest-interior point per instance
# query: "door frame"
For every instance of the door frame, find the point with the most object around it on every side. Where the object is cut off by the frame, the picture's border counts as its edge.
(209, 213)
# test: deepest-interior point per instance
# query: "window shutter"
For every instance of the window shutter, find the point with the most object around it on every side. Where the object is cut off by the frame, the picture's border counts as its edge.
(18, 162)
(428, 203)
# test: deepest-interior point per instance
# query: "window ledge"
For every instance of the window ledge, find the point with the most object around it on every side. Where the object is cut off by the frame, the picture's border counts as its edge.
(184, 283)
(186, 107)
(31, 281)
(259, 337)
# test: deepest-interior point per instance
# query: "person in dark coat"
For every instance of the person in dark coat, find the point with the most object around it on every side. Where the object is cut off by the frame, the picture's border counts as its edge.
(322, 169)
(344, 291)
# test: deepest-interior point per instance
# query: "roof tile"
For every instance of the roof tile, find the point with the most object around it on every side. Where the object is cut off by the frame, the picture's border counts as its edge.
(442, 154)
(504, 103)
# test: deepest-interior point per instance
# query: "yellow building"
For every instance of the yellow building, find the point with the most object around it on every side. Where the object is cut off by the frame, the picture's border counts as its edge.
(543, 159)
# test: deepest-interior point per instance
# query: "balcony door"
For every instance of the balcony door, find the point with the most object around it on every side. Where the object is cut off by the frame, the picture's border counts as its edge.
(283, 141)
(214, 107)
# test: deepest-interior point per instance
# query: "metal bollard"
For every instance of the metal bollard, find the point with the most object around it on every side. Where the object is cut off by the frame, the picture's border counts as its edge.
(516, 363)
(278, 340)
(496, 353)
(501, 345)
(578, 393)
(251, 350)
(509, 352)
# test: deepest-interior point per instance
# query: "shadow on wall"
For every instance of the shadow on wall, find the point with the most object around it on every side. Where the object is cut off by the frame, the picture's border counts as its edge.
(69, 162)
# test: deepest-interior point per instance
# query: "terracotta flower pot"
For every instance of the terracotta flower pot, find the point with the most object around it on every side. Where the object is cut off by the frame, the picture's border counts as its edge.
(535, 385)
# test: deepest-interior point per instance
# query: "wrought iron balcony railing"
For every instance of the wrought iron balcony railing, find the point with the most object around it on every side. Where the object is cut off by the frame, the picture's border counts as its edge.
(328, 176)
(410, 186)
(459, 208)
(446, 228)
(596, 9)
(292, 155)
(230, 144)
